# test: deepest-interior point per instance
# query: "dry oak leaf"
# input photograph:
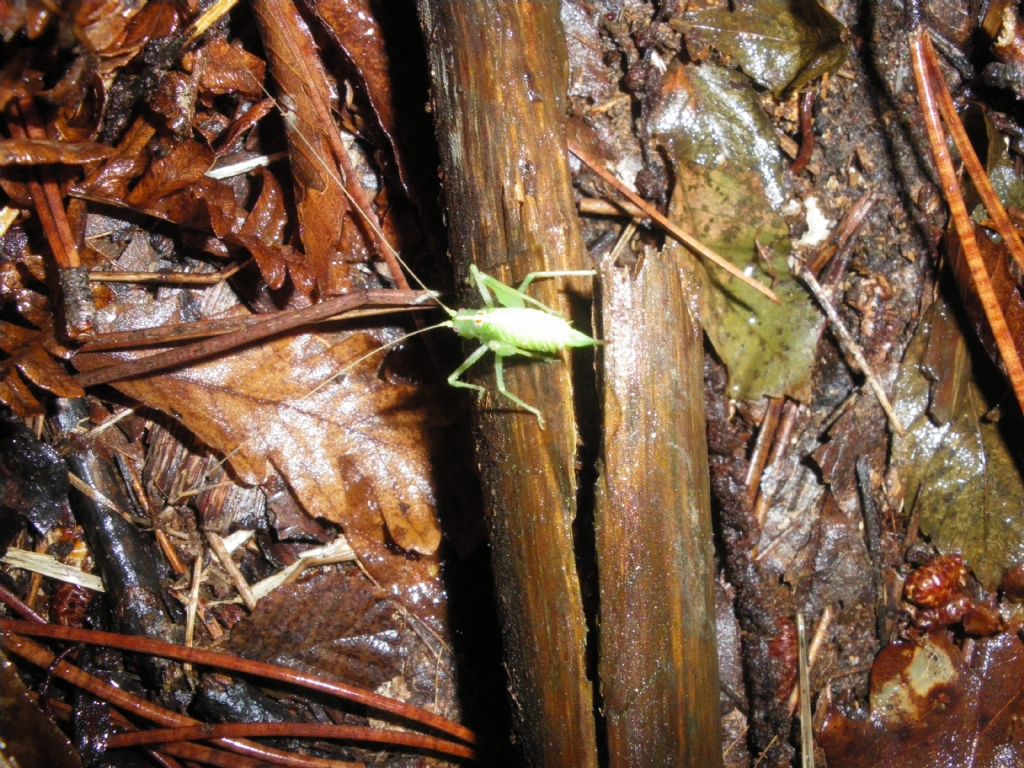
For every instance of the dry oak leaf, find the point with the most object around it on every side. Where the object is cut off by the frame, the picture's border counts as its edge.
(348, 447)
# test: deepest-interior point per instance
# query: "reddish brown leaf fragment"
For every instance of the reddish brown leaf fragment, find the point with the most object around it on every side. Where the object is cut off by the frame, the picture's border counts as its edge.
(1005, 287)
(331, 623)
(110, 182)
(934, 98)
(43, 151)
(355, 30)
(932, 706)
(224, 68)
(180, 169)
(306, 93)
(28, 358)
(263, 235)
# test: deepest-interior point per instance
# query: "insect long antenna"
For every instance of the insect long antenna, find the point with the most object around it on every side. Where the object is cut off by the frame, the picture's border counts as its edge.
(379, 350)
(337, 374)
(289, 116)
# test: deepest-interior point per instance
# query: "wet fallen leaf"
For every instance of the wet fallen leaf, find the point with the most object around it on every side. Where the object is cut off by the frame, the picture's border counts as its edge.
(175, 188)
(1008, 184)
(41, 151)
(29, 361)
(33, 480)
(224, 68)
(330, 238)
(730, 191)
(779, 43)
(353, 450)
(960, 471)
(330, 623)
(932, 706)
(28, 736)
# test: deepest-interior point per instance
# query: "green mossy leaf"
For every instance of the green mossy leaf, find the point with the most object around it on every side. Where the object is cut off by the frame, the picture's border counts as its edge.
(960, 472)
(730, 189)
(782, 44)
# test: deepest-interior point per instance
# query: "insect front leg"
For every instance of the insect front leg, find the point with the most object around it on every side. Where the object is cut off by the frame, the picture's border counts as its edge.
(468, 363)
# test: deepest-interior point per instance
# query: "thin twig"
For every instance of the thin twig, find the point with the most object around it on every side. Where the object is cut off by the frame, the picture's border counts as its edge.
(669, 226)
(813, 651)
(168, 278)
(873, 537)
(806, 736)
(982, 183)
(136, 705)
(849, 345)
(391, 738)
(226, 661)
(237, 578)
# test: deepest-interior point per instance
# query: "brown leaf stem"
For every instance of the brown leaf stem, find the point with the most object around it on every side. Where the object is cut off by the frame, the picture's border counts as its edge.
(139, 644)
(273, 325)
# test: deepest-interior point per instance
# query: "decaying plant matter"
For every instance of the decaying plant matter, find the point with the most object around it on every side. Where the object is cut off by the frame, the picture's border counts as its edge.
(785, 486)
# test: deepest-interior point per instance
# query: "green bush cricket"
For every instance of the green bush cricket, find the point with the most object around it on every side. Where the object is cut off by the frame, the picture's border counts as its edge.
(517, 325)
(534, 331)
(513, 328)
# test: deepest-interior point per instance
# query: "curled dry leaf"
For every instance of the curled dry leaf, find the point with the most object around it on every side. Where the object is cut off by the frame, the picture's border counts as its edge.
(353, 450)
(223, 68)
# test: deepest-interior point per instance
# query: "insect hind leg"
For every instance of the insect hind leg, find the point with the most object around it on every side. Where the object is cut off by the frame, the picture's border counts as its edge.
(556, 273)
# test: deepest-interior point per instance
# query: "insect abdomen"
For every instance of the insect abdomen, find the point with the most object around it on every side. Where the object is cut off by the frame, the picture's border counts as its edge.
(525, 328)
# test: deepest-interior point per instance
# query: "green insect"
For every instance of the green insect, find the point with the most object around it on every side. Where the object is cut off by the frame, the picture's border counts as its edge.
(521, 325)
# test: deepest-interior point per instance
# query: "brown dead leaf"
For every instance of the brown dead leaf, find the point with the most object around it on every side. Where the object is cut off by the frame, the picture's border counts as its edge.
(338, 624)
(28, 359)
(223, 68)
(331, 623)
(932, 706)
(306, 94)
(354, 28)
(41, 151)
(1005, 286)
(175, 188)
(353, 450)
